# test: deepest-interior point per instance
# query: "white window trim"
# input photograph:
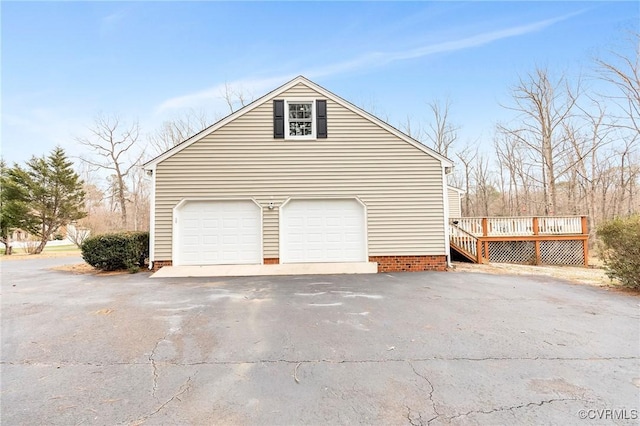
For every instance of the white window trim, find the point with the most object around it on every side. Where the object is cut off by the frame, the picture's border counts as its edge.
(313, 134)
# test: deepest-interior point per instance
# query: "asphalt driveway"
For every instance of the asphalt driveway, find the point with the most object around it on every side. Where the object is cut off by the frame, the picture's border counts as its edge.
(401, 348)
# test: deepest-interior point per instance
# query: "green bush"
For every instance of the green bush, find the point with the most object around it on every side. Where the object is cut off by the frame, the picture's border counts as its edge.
(621, 253)
(110, 252)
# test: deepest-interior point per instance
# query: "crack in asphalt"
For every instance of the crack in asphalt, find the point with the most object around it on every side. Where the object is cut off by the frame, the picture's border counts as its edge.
(155, 366)
(431, 390)
(183, 388)
(152, 355)
(514, 407)
(317, 361)
(418, 421)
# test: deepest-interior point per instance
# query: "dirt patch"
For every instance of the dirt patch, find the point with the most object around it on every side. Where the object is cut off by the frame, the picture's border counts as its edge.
(84, 268)
(590, 276)
(26, 256)
(626, 290)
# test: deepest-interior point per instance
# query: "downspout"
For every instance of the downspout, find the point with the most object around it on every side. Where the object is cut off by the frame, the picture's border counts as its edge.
(445, 204)
(152, 216)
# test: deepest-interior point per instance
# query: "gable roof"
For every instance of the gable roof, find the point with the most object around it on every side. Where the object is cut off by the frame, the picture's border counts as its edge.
(277, 92)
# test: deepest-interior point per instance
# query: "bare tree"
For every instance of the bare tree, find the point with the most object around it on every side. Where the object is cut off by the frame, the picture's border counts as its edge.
(442, 134)
(543, 106)
(623, 73)
(235, 96)
(411, 129)
(485, 190)
(466, 157)
(628, 175)
(140, 192)
(588, 145)
(510, 164)
(173, 132)
(113, 144)
(370, 105)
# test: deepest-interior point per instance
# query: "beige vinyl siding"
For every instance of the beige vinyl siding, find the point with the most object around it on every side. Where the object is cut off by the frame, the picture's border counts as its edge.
(400, 185)
(455, 209)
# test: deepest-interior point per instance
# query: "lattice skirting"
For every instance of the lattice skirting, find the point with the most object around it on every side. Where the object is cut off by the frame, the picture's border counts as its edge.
(512, 252)
(564, 252)
(561, 252)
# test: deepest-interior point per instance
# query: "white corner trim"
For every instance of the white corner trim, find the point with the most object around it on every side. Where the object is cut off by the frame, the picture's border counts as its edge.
(152, 219)
(445, 216)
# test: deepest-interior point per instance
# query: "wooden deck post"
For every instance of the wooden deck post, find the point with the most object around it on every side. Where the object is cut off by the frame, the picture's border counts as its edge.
(536, 230)
(485, 232)
(585, 240)
(585, 251)
(479, 251)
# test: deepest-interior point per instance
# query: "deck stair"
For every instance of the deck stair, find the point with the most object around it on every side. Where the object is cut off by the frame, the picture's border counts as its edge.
(465, 243)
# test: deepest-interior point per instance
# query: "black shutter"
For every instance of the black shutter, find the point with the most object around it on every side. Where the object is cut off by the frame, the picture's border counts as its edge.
(278, 119)
(321, 119)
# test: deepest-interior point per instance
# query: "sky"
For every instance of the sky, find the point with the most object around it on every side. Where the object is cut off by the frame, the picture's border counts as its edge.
(65, 62)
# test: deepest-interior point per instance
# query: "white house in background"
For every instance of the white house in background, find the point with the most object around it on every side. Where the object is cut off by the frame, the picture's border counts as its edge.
(455, 201)
(300, 176)
(77, 234)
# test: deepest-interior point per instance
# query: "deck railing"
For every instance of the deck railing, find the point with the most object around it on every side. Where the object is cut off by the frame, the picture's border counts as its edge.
(522, 226)
(465, 241)
(560, 225)
(530, 239)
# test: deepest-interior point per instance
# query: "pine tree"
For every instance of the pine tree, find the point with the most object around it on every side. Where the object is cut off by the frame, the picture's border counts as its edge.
(11, 210)
(49, 194)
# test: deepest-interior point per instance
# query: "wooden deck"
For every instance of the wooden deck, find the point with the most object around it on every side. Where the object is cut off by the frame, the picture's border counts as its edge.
(561, 240)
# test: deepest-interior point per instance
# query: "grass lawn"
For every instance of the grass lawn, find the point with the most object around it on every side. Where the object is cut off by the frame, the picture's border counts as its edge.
(57, 249)
(65, 250)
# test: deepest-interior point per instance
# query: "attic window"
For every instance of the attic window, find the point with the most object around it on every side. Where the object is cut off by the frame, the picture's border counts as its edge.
(299, 119)
(300, 123)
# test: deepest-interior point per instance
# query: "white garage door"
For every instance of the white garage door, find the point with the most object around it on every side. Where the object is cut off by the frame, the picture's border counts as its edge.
(219, 233)
(323, 231)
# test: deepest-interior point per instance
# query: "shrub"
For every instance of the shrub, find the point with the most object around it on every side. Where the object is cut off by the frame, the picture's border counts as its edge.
(30, 246)
(110, 252)
(621, 253)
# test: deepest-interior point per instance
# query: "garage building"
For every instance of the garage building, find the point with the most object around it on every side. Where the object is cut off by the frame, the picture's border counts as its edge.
(300, 176)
